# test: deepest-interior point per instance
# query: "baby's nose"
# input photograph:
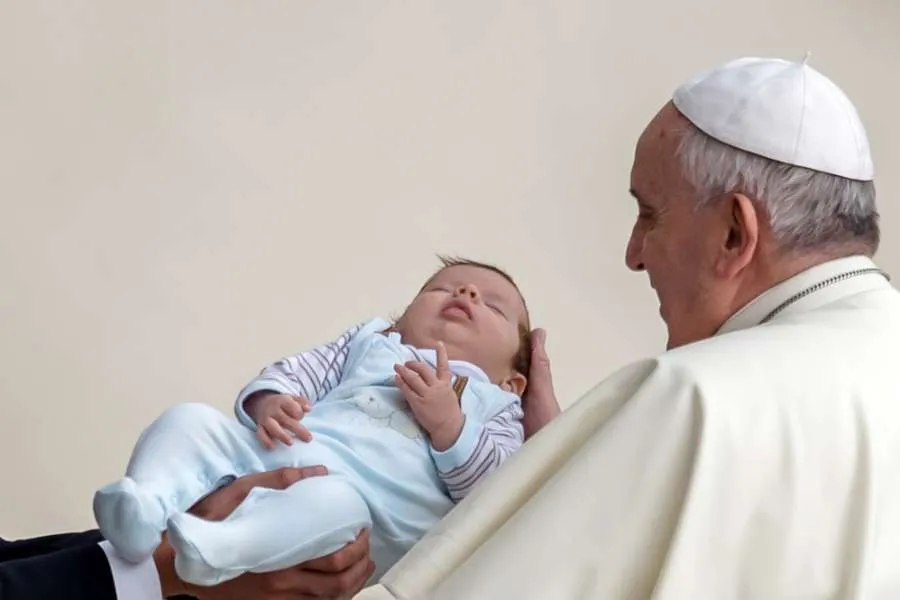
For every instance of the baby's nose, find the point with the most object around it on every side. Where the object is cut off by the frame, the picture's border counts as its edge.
(468, 290)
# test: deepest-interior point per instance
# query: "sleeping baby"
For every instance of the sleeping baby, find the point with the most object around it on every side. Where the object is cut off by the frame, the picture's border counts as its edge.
(407, 417)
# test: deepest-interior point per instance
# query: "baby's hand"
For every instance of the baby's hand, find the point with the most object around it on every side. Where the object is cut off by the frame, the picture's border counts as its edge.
(277, 416)
(432, 399)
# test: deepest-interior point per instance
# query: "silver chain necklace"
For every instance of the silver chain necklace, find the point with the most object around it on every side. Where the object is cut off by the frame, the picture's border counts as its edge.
(822, 285)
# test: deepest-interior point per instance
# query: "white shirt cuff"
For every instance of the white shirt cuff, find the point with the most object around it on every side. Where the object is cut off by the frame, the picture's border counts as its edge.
(133, 581)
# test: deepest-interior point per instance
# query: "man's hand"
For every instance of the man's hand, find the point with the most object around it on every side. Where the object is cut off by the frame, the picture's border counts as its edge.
(539, 403)
(222, 502)
(277, 416)
(431, 397)
(338, 575)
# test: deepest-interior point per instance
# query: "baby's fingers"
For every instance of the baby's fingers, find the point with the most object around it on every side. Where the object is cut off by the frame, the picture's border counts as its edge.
(443, 364)
(276, 431)
(408, 393)
(412, 380)
(294, 426)
(297, 408)
(264, 438)
(423, 370)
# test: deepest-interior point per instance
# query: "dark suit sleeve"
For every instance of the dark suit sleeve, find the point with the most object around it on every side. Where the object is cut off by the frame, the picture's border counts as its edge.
(79, 572)
(69, 566)
(27, 548)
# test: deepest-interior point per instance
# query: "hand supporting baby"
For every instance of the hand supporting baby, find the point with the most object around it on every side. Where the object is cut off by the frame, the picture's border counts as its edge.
(338, 575)
(539, 404)
(432, 398)
(277, 416)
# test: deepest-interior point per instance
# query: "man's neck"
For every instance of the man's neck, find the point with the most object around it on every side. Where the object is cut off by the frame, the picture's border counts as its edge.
(777, 267)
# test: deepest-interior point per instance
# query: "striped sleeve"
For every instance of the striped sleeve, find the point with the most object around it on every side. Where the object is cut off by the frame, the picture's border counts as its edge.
(480, 450)
(310, 374)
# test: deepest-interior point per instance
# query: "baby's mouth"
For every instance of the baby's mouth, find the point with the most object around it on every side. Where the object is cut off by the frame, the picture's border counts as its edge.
(457, 310)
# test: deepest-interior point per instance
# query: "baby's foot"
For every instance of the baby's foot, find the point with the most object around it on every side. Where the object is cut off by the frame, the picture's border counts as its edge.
(131, 519)
(202, 556)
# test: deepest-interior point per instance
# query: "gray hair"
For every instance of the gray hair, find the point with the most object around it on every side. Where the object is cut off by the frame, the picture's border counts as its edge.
(808, 210)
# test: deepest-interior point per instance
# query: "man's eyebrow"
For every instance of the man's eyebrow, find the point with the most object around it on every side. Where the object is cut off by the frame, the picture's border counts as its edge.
(636, 196)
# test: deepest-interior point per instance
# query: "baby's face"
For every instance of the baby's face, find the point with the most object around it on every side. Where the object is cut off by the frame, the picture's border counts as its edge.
(475, 312)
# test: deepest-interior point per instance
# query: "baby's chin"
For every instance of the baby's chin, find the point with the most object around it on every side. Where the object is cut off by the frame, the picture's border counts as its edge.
(455, 334)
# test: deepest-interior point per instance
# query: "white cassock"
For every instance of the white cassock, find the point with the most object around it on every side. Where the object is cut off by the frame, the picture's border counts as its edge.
(763, 463)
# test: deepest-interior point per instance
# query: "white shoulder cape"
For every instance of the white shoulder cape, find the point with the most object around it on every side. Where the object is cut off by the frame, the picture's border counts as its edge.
(761, 464)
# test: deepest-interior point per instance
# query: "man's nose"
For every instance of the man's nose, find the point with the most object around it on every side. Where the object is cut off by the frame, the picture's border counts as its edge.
(634, 252)
(469, 291)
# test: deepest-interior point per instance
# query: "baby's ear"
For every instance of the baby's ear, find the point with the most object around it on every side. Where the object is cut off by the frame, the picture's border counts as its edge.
(515, 383)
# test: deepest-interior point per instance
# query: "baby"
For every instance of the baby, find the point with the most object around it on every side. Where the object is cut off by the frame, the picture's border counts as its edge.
(406, 417)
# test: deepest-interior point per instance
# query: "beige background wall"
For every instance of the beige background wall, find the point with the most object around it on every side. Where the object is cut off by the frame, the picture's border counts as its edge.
(192, 189)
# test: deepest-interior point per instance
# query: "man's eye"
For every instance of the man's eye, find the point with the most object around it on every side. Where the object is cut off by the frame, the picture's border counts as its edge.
(646, 219)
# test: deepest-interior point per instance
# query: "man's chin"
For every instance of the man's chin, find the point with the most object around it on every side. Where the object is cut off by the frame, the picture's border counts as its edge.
(675, 341)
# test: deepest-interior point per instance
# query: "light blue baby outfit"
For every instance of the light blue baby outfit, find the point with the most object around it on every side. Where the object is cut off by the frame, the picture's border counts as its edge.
(382, 475)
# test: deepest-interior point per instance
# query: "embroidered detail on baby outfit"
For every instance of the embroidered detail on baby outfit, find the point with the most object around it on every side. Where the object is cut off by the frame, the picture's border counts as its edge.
(460, 386)
(383, 414)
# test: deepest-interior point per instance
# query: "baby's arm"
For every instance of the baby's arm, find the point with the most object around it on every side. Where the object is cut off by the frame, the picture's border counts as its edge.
(310, 374)
(479, 450)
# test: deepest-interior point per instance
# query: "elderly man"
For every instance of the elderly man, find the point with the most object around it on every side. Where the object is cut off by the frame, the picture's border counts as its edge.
(759, 457)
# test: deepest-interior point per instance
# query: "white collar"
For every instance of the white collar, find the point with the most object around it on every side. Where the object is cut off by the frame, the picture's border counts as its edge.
(756, 310)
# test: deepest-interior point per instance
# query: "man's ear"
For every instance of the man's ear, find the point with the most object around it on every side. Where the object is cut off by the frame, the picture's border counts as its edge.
(515, 383)
(742, 219)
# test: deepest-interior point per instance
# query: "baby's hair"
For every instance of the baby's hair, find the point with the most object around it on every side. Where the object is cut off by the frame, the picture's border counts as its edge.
(522, 359)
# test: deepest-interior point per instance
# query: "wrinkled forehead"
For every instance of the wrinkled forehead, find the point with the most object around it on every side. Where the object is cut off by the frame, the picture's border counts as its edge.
(490, 284)
(656, 166)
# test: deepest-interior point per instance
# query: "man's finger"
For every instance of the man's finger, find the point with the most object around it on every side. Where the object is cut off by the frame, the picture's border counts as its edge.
(344, 558)
(277, 432)
(312, 471)
(423, 370)
(313, 584)
(279, 479)
(220, 503)
(538, 340)
(539, 359)
(443, 365)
